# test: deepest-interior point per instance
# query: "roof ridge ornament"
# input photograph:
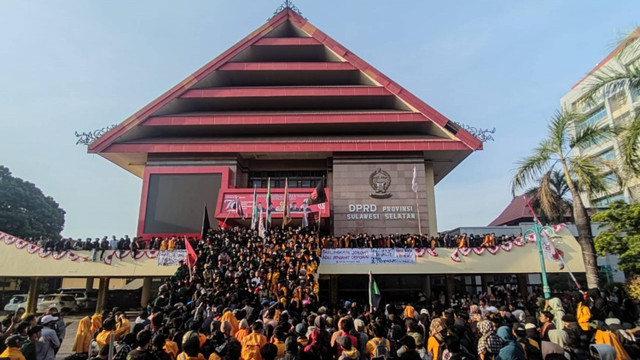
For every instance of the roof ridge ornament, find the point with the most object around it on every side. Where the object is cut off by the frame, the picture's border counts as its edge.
(288, 4)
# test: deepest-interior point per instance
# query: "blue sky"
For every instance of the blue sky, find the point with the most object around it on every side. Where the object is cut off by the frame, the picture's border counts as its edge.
(83, 65)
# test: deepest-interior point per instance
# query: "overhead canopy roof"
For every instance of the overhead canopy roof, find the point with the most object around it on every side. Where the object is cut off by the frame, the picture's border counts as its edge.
(286, 79)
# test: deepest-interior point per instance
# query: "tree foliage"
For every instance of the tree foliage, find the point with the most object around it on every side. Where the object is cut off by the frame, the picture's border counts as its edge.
(621, 235)
(25, 211)
(551, 198)
(555, 152)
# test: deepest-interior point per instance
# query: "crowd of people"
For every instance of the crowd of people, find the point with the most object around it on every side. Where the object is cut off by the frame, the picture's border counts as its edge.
(253, 298)
(98, 246)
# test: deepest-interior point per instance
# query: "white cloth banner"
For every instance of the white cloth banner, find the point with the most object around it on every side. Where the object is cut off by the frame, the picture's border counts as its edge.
(171, 258)
(368, 256)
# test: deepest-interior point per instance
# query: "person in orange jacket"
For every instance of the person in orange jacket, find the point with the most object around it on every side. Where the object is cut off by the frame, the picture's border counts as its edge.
(83, 336)
(252, 343)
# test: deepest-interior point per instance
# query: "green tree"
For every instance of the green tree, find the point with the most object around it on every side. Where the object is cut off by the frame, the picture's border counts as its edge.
(566, 131)
(555, 192)
(614, 76)
(621, 235)
(25, 211)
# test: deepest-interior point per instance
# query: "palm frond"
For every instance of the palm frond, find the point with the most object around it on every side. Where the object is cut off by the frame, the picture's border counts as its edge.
(532, 167)
(629, 46)
(611, 78)
(588, 170)
(559, 129)
(548, 197)
(629, 145)
(589, 135)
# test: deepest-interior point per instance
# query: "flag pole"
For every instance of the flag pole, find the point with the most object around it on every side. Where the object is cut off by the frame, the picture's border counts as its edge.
(538, 233)
(370, 295)
(419, 222)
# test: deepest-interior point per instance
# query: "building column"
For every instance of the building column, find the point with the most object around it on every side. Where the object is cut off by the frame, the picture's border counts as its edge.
(333, 289)
(89, 284)
(102, 294)
(523, 280)
(431, 199)
(32, 296)
(483, 281)
(426, 287)
(451, 285)
(146, 292)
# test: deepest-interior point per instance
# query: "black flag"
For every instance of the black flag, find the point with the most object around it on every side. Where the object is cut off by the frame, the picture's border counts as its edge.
(205, 222)
(317, 196)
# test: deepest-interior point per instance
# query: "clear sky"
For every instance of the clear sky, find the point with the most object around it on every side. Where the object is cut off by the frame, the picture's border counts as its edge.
(83, 65)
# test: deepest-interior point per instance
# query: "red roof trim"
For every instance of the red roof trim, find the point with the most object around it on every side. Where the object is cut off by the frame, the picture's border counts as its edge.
(290, 147)
(286, 91)
(262, 119)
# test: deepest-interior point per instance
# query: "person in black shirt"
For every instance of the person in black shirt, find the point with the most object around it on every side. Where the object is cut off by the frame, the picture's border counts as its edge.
(142, 352)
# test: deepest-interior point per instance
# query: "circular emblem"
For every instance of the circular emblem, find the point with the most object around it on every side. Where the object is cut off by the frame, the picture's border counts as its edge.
(380, 181)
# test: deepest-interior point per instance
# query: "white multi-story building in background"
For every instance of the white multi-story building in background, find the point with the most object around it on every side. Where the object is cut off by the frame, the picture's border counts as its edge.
(613, 108)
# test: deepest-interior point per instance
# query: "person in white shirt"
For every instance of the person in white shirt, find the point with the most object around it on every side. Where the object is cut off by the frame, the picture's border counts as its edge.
(49, 342)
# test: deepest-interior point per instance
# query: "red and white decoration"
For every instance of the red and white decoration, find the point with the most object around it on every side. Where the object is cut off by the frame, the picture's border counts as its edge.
(42, 253)
(432, 252)
(464, 251)
(455, 257)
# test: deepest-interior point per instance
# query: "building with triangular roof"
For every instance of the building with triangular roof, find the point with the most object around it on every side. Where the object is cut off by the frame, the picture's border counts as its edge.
(287, 102)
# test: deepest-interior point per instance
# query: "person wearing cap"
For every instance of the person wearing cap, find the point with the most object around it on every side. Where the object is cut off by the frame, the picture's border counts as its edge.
(28, 349)
(349, 352)
(12, 351)
(49, 342)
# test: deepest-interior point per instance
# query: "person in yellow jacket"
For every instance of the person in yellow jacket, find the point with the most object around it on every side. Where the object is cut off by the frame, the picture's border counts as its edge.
(123, 326)
(172, 244)
(228, 316)
(104, 337)
(252, 343)
(243, 331)
(96, 323)
(409, 312)
(12, 351)
(609, 338)
(83, 336)
(583, 314)
(171, 348)
(190, 347)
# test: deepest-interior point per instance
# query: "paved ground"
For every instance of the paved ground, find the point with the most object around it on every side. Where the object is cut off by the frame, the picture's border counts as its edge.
(70, 336)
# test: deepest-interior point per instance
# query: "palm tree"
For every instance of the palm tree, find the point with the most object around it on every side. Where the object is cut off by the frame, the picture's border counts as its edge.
(616, 75)
(566, 131)
(549, 197)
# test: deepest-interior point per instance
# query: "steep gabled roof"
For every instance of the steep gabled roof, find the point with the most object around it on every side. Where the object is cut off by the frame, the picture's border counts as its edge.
(261, 36)
(515, 213)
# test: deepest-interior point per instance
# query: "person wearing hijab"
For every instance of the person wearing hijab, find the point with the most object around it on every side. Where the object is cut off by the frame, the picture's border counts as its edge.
(558, 336)
(583, 314)
(228, 316)
(489, 344)
(83, 336)
(602, 352)
(436, 336)
(555, 307)
(511, 349)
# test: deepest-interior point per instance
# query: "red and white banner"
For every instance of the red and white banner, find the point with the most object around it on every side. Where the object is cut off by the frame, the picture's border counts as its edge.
(493, 250)
(478, 250)
(297, 203)
(59, 254)
(432, 252)
(20, 244)
(507, 246)
(464, 251)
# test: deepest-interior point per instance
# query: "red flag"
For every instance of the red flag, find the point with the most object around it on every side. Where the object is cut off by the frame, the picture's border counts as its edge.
(191, 254)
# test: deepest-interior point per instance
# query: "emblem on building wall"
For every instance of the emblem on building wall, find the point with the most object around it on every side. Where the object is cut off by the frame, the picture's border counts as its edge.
(380, 181)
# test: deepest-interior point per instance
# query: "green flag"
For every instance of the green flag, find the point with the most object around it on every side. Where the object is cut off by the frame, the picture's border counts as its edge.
(374, 293)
